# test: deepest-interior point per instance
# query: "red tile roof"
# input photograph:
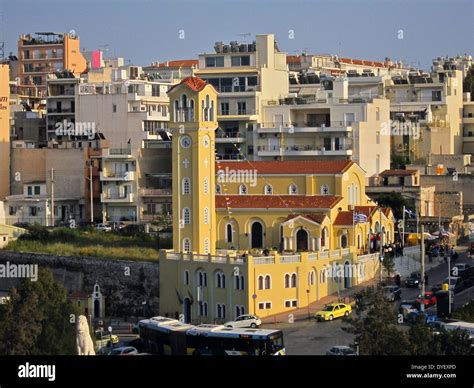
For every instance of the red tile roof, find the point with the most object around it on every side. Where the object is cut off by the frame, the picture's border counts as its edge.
(194, 83)
(344, 218)
(398, 172)
(319, 218)
(180, 63)
(79, 295)
(367, 210)
(277, 201)
(293, 59)
(289, 167)
(362, 62)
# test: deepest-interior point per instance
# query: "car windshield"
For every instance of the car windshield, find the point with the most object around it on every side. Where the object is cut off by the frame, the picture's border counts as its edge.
(347, 351)
(328, 308)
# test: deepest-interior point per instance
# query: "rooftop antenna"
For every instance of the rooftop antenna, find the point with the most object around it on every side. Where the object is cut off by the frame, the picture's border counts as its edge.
(2, 42)
(245, 35)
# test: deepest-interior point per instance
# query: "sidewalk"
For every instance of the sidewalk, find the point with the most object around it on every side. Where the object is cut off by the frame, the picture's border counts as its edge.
(302, 313)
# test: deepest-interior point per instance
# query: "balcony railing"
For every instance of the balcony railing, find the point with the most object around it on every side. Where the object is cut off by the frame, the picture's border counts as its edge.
(345, 147)
(155, 192)
(230, 157)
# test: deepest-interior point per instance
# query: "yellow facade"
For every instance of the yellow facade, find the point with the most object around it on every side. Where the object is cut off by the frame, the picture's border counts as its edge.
(4, 131)
(285, 240)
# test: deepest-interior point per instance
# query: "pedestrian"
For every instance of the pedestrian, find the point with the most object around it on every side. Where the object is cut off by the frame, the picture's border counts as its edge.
(398, 280)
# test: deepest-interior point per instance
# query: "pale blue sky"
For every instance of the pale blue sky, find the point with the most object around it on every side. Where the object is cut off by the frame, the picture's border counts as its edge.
(147, 30)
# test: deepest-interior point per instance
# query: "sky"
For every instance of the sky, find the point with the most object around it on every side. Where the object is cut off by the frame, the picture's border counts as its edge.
(143, 31)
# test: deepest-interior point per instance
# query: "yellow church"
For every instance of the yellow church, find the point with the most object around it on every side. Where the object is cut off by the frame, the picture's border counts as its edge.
(255, 237)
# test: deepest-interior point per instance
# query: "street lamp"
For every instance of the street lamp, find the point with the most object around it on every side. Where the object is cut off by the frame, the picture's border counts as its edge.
(307, 293)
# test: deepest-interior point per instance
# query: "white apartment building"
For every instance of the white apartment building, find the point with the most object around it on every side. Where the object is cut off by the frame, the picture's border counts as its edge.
(246, 77)
(330, 123)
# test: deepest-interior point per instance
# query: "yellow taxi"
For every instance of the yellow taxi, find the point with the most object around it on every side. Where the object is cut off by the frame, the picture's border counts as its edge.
(333, 310)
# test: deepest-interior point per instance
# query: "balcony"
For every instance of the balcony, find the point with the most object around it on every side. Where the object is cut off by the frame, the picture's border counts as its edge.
(230, 157)
(306, 150)
(333, 126)
(229, 137)
(108, 197)
(117, 153)
(54, 111)
(155, 192)
(468, 120)
(237, 114)
(124, 176)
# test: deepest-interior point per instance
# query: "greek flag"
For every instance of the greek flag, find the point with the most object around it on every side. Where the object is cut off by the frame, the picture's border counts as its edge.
(410, 213)
(359, 218)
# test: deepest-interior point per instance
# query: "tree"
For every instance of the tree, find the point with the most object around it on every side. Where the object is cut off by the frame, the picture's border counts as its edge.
(396, 202)
(422, 341)
(377, 332)
(37, 319)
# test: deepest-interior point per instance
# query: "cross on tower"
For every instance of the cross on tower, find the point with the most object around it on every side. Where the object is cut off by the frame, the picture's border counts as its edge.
(186, 163)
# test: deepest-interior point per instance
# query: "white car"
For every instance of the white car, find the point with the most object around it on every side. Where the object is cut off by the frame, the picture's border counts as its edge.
(246, 320)
(103, 228)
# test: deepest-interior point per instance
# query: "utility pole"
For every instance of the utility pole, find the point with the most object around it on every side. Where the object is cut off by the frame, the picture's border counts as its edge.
(380, 242)
(423, 285)
(403, 232)
(439, 219)
(52, 197)
(91, 191)
(449, 284)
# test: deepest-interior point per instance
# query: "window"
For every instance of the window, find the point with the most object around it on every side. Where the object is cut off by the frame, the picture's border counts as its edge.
(37, 190)
(229, 233)
(291, 303)
(33, 211)
(268, 282)
(220, 310)
(186, 186)
(311, 276)
(293, 189)
(187, 215)
(155, 90)
(241, 108)
(237, 61)
(239, 282)
(268, 190)
(218, 189)
(220, 280)
(186, 245)
(206, 186)
(186, 277)
(202, 278)
(224, 108)
(324, 190)
(203, 309)
(293, 280)
(265, 305)
(377, 114)
(206, 215)
(215, 62)
(206, 246)
(114, 108)
(323, 276)
(30, 190)
(260, 282)
(243, 190)
(287, 281)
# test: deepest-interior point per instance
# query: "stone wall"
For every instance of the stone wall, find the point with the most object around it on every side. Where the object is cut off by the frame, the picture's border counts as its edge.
(124, 284)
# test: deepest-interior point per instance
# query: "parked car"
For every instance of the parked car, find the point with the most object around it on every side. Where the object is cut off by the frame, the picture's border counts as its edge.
(333, 310)
(124, 351)
(247, 320)
(426, 317)
(341, 350)
(413, 280)
(102, 338)
(428, 300)
(468, 273)
(408, 306)
(392, 293)
(103, 228)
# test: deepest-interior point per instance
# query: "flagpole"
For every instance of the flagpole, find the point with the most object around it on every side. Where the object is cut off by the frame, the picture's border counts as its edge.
(353, 229)
(369, 218)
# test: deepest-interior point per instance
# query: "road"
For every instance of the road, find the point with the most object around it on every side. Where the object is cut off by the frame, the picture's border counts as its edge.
(309, 337)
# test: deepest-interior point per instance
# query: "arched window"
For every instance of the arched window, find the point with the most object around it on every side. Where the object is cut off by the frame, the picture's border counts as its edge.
(184, 106)
(220, 310)
(187, 215)
(268, 282)
(191, 110)
(202, 278)
(324, 238)
(176, 111)
(287, 281)
(293, 280)
(260, 282)
(324, 189)
(218, 189)
(186, 245)
(229, 233)
(206, 246)
(206, 215)
(239, 282)
(205, 185)
(211, 115)
(323, 275)
(293, 189)
(186, 277)
(203, 111)
(243, 190)
(207, 109)
(356, 195)
(268, 190)
(311, 276)
(220, 280)
(186, 186)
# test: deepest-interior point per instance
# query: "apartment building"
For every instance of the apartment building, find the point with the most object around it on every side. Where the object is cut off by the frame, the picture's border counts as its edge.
(468, 125)
(172, 70)
(43, 53)
(426, 113)
(334, 119)
(4, 130)
(246, 76)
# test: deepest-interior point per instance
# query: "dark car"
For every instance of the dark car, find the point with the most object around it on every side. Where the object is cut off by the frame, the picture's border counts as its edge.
(23, 225)
(425, 317)
(471, 249)
(392, 293)
(468, 273)
(132, 230)
(413, 280)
